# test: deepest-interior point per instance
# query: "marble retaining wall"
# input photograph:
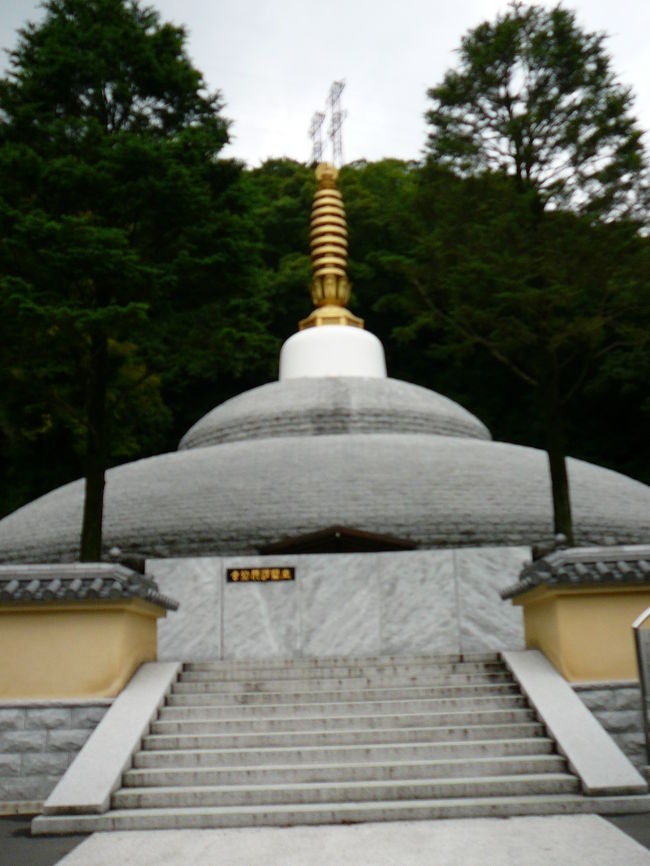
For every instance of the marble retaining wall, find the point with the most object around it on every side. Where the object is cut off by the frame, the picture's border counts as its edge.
(617, 706)
(38, 742)
(422, 601)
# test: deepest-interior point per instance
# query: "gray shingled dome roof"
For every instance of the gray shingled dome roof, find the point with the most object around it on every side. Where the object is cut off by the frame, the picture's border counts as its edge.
(309, 407)
(240, 496)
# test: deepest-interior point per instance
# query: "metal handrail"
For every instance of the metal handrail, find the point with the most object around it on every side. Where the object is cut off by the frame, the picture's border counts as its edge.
(641, 637)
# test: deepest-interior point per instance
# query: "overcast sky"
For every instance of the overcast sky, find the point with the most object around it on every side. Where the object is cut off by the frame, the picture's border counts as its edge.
(274, 61)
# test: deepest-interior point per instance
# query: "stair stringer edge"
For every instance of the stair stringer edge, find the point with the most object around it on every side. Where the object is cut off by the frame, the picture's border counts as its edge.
(96, 772)
(601, 766)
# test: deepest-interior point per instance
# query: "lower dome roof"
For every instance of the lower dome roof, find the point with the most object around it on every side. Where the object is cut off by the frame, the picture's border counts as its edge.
(239, 497)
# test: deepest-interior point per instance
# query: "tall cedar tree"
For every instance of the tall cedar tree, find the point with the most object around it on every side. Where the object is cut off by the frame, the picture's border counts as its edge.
(108, 145)
(535, 101)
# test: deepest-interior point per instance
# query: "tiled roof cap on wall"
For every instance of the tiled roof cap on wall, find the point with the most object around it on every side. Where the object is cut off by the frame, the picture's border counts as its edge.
(585, 566)
(78, 581)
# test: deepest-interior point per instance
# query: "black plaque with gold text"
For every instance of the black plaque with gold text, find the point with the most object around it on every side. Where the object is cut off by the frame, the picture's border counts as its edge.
(267, 574)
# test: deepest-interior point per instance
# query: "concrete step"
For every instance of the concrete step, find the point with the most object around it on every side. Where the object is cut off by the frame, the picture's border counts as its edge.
(338, 813)
(196, 749)
(292, 773)
(350, 708)
(308, 694)
(379, 670)
(390, 751)
(323, 679)
(398, 750)
(208, 752)
(320, 662)
(342, 721)
(337, 792)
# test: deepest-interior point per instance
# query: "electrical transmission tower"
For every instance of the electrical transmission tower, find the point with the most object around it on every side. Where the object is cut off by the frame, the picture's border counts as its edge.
(315, 133)
(336, 121)
(335, 130)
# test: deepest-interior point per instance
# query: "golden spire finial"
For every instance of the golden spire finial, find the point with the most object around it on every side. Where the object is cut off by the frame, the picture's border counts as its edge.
(330, 289)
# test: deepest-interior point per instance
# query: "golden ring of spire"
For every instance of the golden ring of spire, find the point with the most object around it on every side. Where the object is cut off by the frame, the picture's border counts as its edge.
(328, 244)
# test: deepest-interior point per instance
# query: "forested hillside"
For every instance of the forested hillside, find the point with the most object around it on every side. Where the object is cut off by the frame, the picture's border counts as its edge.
(132, 253)
(396, 213)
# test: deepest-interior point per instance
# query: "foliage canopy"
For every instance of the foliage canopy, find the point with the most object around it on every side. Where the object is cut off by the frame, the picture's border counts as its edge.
(534, 96)
(118, 222)
(535, 116)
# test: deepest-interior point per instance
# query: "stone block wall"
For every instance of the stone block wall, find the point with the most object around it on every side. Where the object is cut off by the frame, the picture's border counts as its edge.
(617, 706)
(38, 742)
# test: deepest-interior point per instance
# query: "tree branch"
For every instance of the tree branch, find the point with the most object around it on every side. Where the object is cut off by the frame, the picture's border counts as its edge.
(475, 338)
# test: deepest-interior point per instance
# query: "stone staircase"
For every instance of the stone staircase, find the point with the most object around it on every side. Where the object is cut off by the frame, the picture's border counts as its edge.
(342, 740)
(339, 740)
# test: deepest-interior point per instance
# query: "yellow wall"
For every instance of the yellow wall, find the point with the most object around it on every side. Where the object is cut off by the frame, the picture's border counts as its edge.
(74, 649)
(585, 632)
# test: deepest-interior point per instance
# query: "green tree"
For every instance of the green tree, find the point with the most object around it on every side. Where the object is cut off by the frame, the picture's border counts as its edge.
(535, 103)
(535, 97)
(280, 194)
(114, 212)
(383, 229)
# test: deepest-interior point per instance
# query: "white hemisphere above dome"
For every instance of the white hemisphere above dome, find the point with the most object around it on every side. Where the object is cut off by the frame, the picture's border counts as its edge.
(334, 350)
